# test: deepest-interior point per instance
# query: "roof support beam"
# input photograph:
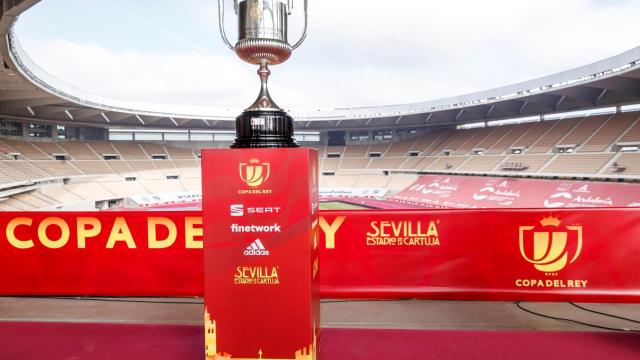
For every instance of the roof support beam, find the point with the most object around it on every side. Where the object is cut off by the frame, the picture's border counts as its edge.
(602, 94)
(524, 105)
(104, 116)
(486, 115)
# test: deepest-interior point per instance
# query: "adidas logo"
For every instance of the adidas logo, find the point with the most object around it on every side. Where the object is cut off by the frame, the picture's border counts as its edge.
(256, 249)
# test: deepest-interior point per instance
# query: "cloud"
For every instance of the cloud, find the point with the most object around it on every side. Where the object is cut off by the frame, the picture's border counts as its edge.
(365, 52)
(184, 78)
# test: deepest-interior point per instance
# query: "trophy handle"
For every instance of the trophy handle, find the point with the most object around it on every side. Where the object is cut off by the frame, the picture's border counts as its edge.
(306, 19)
(221, 23)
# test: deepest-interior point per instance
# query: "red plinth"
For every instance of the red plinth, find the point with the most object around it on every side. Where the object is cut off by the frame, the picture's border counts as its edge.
(260, 209)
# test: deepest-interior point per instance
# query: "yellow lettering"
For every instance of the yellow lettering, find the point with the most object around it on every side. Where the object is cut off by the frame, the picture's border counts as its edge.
(11, 233)
(191, 232)
(330, 230)
(374, 226)
(120, 232)
(397, 226)
(152, 226)
(384, 228)
(433, 230)
(87, 227)
(53, 243)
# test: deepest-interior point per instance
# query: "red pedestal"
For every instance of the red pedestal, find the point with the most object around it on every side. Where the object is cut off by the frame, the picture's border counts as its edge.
(260, 213)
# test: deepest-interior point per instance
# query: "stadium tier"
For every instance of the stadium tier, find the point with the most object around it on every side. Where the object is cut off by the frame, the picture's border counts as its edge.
(592, 147)
(48, 175)
(101, 174)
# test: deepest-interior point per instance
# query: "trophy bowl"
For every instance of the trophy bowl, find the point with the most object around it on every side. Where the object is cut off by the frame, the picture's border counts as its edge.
(262, 32)
(263, 41)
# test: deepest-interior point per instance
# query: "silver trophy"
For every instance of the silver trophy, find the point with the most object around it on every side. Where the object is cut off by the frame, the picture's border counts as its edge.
(263, 40)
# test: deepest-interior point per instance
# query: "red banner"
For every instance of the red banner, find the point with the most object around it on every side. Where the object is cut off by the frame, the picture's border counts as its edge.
(579, 255)
(445, 191)
(562, 254)
(101, 253)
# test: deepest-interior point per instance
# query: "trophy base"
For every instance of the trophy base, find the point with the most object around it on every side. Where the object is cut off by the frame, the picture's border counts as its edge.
(264, 129)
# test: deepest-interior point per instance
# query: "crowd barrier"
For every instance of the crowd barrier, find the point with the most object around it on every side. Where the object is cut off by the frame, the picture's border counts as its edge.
(481, 254)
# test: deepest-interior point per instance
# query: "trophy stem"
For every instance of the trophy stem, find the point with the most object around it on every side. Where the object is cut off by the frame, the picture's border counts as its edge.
(264, 124)
(264, 102)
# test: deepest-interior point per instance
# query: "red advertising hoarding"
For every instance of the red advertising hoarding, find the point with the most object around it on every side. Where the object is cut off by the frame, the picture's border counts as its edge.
(101, 253)
(559, 255)
(260, 212)
(480, 254)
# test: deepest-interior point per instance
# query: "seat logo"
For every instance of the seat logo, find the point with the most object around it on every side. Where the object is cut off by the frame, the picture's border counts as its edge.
(236, 210)
(550, 247)
(254, 173)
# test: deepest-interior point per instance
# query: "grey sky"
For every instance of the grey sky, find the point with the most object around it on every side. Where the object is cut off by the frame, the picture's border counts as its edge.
(358, 53)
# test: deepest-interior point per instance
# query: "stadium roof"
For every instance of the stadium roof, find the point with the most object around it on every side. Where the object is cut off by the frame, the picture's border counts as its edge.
(30, 93)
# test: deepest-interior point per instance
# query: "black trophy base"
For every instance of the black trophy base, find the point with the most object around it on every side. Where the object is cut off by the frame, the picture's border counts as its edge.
(264, 129)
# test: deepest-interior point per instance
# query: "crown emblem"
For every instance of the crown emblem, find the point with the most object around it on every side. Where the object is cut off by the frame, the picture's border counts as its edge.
(550, 221)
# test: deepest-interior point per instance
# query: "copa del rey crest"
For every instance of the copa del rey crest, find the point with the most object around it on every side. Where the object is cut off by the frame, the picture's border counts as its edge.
(254, 173)
(550, 247)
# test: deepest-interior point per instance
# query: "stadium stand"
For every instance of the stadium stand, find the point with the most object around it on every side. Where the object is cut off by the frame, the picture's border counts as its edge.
(534, 132)
(514, 133)
(427, 143)
(48, 175)
(627, 164)
(354, 163)
(80, 173)
(400, 149)
(557, 131)
(474, 140)
(525, 163)
(355, 151)
(418, 163)
(632, 135)
(26, 150)
(608, 133)
(496, 135)
(79, 150)
(446, 163)
(481, 163)
(386, 163)
(577, 163)
(583, 130)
